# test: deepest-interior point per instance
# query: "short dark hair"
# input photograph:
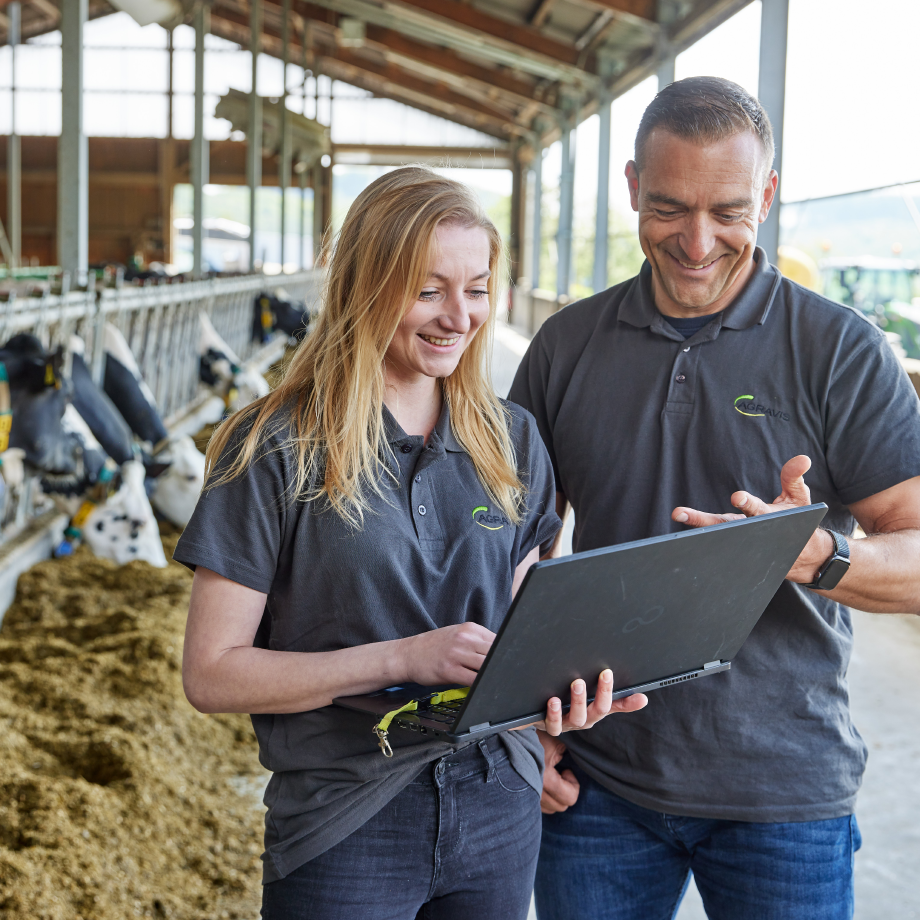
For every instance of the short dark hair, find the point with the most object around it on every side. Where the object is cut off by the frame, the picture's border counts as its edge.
(706, 110)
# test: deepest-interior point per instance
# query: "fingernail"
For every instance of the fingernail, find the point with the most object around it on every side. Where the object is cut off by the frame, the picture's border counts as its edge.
(607, 676)
(554, 705)
(683, 517)
(742, 503)
(579, 686)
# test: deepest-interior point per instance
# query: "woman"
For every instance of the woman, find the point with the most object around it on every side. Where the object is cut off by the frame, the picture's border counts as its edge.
(337, 553)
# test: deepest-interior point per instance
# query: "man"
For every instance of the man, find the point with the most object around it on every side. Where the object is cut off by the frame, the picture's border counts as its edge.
(708, 373)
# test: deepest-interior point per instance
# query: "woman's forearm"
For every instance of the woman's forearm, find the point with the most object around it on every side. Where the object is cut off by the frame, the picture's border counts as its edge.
(254, 680)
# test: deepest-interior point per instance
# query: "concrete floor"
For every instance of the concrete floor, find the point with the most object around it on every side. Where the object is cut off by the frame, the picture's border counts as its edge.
(885, 699)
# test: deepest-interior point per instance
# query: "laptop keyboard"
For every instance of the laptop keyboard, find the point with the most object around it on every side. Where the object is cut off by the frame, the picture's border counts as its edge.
(442, 712)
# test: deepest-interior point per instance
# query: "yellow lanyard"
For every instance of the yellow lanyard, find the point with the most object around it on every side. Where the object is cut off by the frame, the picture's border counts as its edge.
(445, 696)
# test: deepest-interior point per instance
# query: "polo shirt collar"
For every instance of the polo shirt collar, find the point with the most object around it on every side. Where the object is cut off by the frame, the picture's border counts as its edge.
(443, 432)
(749, 308)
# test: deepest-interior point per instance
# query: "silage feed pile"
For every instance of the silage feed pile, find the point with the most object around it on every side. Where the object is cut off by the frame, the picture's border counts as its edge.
(117, 799)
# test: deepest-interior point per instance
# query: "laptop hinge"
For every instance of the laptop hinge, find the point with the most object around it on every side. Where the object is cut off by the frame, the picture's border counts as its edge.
(480, 727)
(711, 664)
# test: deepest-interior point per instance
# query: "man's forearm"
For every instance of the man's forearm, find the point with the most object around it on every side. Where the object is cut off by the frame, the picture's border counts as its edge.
(884, 574)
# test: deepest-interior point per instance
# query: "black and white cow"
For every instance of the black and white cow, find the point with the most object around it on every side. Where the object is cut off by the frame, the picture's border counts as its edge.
(272, 311)
(221, 369)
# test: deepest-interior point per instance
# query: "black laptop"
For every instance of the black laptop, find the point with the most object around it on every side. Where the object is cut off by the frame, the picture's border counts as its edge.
(657, 612)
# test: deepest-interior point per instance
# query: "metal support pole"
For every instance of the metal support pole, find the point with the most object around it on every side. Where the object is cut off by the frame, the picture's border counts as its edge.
(254, 146)
(73, 171)
(14, 150)
(319, 207)
(302, 260)
(285, 160)
(566, 213)
(537, 217)
(774, 27)
(602, 216)
(199, 163)
(665, 69)
(170, 51)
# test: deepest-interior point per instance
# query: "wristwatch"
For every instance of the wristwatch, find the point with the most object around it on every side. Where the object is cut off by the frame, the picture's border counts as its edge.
(835, 567)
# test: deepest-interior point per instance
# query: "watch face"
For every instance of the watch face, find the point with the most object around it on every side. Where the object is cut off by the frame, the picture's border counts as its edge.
(831, 576)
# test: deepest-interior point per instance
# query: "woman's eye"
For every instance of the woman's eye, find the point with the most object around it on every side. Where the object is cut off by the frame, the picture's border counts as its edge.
(428, 295)
(478, 294)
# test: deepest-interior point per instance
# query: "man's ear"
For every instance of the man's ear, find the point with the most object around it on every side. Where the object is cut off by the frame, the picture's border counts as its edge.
(769, 193)
(632, 180)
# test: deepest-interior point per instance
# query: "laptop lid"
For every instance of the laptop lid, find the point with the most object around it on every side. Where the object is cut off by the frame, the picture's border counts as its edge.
(646, 610)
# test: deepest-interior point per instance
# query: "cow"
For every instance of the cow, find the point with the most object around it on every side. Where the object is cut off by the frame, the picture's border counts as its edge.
(125, 386)
(39, 395)
(176, 490)
(124, 528)
(221, 369)
(273, 312)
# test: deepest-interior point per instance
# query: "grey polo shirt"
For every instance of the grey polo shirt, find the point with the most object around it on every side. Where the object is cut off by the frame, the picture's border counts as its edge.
(638, 420)
(421, 561)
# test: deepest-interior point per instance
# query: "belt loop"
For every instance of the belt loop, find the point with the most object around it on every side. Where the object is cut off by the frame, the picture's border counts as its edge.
(490, 775)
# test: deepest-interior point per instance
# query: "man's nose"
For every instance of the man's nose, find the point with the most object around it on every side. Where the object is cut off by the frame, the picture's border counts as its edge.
(698, 238)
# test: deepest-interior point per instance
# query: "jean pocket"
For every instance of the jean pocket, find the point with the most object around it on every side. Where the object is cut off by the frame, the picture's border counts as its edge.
(509, 778)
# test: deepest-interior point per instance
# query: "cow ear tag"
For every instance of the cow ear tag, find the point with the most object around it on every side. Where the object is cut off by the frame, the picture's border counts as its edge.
(6, 412)
(51, 379)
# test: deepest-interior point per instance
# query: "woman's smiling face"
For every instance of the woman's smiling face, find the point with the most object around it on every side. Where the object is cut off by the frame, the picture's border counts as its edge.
(451, 307)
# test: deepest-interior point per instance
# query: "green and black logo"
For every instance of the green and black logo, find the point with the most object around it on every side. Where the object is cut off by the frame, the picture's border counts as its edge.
(490, 521)
(749, 406)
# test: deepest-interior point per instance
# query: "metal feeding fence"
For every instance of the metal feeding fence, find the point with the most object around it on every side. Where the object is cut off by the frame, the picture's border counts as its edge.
(161, 324)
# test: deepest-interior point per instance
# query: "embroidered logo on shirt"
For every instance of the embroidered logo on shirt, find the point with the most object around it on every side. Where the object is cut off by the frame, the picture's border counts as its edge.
(490, 521)
(748, 406)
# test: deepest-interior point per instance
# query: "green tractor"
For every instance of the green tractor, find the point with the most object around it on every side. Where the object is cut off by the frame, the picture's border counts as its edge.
(885, 290)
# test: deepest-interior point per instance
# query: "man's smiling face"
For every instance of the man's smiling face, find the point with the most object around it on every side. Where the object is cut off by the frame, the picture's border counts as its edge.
(699, 208)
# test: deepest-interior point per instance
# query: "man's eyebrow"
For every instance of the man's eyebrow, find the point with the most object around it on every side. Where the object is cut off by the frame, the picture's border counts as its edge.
(479, 277)
(659, 198)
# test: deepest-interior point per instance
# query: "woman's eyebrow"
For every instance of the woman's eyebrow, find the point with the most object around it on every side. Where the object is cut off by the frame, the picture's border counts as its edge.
(480, 276)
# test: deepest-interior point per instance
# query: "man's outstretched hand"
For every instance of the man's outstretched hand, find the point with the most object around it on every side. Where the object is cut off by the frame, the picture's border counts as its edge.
(794, 494)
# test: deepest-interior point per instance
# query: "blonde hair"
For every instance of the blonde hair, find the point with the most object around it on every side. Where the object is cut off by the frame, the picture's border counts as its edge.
(332, 392)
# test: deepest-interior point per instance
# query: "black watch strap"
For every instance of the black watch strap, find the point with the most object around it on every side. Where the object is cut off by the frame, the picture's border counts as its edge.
(835, 567)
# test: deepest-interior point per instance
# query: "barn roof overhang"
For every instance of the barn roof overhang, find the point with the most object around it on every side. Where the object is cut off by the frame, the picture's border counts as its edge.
(518, 70)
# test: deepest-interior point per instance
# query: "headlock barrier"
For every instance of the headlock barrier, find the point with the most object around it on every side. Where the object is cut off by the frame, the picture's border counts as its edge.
(161, 324)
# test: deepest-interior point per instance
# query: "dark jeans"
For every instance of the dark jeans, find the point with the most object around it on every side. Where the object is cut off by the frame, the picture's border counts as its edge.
(460, 842)
(607, 859)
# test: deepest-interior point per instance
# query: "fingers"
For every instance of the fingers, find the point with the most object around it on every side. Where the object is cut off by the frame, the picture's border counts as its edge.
(693, 518)
(603, 699)
(632, 703)
(750, 505)
(792, 478)
(560, 791)
(552, 724)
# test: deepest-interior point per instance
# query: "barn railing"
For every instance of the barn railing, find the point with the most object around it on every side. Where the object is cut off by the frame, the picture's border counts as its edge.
(160, 323)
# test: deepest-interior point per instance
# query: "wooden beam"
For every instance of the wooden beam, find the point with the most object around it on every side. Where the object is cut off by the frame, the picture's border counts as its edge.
(387, 79)
(468, 30)
(540, 13)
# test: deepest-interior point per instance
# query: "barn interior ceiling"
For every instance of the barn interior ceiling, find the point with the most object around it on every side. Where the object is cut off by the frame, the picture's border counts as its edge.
(518, 70)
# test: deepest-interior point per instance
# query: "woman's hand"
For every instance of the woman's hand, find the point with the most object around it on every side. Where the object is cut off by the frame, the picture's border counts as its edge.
(580, 714)
(449, 655)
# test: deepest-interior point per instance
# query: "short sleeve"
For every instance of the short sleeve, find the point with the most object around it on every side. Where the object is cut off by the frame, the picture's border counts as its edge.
(529, 391)
(237, 528)
(872, 427)
(539, 523)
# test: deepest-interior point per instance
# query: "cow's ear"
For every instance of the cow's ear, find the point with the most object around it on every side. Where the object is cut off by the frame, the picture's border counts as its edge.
(154, 468)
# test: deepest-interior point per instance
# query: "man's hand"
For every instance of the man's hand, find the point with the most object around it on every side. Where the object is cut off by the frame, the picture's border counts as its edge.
(794, 494)
(560, 790)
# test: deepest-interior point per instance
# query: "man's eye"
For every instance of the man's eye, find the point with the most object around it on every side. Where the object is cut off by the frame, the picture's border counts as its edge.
(662, 213)
(730, 218)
